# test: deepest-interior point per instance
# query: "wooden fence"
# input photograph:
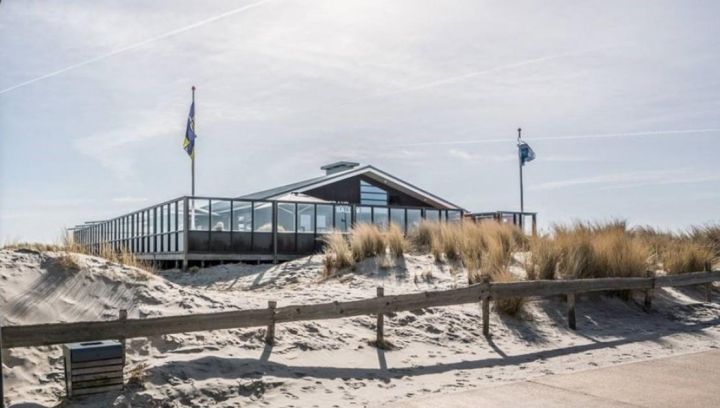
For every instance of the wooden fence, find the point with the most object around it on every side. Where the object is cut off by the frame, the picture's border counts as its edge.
(59, 333)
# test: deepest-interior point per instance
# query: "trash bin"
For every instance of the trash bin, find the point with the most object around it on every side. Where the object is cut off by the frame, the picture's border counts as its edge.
(93, 367)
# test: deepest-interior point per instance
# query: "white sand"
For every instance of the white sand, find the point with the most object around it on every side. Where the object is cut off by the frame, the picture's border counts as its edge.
(325, 363)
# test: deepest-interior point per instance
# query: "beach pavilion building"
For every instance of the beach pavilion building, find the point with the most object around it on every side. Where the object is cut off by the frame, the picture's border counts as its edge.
(277, 224)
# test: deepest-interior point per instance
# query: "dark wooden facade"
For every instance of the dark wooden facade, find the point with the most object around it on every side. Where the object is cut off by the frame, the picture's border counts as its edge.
(348, 191)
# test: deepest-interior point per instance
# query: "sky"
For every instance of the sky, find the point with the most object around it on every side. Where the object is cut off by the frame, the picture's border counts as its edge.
(618, 99)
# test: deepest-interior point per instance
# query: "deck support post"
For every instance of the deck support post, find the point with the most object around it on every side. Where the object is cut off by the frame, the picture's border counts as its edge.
(709, 285)
(380, 338)
(275, 232)
(270, 333)
(571, 310)
(2, 386)
(534, 225)
(185, 237)
(649, 293)
(122, 315)
(486, 306)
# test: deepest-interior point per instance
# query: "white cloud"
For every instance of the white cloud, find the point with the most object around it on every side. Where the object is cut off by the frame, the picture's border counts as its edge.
(135, 45)
(129, 200)
(630, 180)
(481, 157)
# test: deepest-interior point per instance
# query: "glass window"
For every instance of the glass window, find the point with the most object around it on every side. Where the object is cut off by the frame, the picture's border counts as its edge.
(151, 221)
(363, 215)
(414, 216)
(242, 214)
(181, 218)
(397, 217)
(454, 216)
(432, 215)
(306, 218)
(173, 213)
(324, 219)
(220, 217)
(142, 222)
(286, 217)
(380, 217)
(343, 218)
(262, 217)
(163, 216)
(372, 195)
(199, 215)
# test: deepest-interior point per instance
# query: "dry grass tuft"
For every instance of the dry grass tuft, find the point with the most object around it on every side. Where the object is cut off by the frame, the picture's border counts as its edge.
(484, 248)
(125, 257)
(421, 237)
(684, 255)
(512, 306)
(366, 241)
(708, 235)
(337, 254)
(600, 250)
(32, 246)
(543, 260)
(137, 376)
(395, 241)
(487, 248)
(692, 251)
(67, 262)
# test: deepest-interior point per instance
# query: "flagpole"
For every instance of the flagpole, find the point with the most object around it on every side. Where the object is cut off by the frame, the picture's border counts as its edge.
(522, 203)
(192, 167)
(192, 156)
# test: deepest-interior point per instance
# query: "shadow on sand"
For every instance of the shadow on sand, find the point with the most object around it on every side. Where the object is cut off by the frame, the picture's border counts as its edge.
(599, 318)
(229, 368)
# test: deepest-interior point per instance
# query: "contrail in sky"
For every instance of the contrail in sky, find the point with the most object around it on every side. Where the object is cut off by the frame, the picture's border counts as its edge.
(568, 137)
(137, 45)
(500, 68)
(469, 75)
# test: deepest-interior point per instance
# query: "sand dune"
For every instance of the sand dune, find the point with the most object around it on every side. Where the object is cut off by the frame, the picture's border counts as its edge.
(324, 363)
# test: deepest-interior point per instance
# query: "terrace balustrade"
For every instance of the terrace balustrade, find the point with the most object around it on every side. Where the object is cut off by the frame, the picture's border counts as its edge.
(211, 225)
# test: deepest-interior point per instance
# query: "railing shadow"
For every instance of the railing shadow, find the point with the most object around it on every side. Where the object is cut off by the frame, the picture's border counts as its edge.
(231, 367)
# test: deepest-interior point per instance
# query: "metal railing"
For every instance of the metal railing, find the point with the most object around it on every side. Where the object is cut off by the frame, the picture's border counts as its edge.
(215, 225)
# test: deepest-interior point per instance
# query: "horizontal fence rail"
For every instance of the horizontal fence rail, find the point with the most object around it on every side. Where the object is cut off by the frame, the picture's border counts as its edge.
(58, 333)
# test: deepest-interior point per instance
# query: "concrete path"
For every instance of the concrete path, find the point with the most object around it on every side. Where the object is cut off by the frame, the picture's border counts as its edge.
(690, 380)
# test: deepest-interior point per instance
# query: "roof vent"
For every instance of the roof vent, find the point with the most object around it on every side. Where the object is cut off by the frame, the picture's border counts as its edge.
(337, 167)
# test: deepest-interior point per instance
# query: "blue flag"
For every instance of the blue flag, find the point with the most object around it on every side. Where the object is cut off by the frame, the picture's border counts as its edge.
(526, 153)
(189, 141)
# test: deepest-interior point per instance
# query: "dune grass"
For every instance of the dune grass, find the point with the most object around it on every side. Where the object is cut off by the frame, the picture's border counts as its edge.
(684, 255)
(395, 241)
(708, 235)
(483, 249)
(511, 306)
(694, 250)
(366, 241)
(337, 254)
(542, 260)
(67, 261)
(33, 246)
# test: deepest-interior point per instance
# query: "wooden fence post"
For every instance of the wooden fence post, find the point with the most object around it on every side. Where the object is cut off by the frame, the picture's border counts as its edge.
(380, 339)
(270, 333)
(649, 293)
(571, 310)
(486, 306)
